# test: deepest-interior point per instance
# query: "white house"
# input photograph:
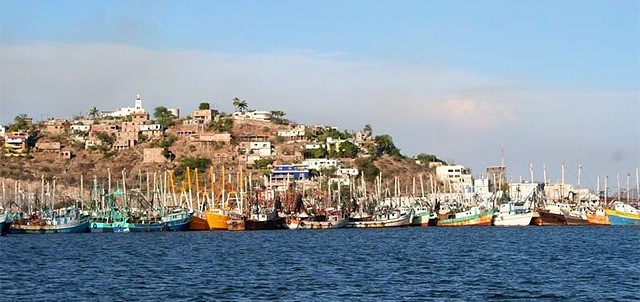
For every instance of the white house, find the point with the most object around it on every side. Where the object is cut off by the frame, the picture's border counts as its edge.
(152, 127)
(291, 133)
(252, 115)
(80, 128)
(346, 172)
(259, 149)
(320, 163)
(312, 146)
(456, 178)
(2, 131)
(126, 111)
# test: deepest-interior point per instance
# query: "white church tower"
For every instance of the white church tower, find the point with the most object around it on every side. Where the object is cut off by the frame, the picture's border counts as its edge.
(138, 105)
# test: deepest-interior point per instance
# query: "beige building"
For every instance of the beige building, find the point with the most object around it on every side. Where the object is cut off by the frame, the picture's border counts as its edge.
(48, 146)
(204, 116)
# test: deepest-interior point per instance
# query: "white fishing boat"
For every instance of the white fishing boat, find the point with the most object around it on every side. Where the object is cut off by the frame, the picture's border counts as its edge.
(336, 219)
(511, 214)
(421, 215)
(385, 219)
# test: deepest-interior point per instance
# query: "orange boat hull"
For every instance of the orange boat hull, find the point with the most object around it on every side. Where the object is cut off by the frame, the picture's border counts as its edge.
(217, 221)
(598, 220)
(198, 224)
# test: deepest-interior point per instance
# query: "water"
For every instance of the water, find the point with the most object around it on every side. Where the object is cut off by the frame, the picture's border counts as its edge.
(447, 264)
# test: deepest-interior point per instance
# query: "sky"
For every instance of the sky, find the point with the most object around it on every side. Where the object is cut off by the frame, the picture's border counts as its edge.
(541, 83)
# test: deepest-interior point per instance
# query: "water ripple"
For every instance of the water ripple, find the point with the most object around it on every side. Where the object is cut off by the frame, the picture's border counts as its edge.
(441, 264)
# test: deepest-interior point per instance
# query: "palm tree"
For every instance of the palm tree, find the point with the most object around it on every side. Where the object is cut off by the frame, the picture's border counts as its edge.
(94, 113)
(236, 103)
(242, 106)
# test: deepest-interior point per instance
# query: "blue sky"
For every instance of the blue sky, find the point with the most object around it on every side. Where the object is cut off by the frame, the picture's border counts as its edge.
(550, 77)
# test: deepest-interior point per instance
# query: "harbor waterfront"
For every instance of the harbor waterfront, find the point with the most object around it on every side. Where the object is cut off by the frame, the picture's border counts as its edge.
(391, 264)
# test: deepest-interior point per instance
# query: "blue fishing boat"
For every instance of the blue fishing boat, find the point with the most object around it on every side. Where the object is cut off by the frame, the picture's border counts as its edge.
(111, 220)
(623, 214)
(67, 220)
(115, 223)
(177, 220)
(148, 222)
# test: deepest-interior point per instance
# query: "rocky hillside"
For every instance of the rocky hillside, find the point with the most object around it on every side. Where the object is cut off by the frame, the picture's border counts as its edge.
(90, 163)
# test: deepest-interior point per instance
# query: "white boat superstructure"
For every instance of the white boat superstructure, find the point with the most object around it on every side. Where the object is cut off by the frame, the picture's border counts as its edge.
(390, 218)
(510, 214)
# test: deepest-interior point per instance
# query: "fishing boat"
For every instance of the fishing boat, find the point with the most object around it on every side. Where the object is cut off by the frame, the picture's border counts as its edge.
(472, 217)
(576, 217)
(623, 214)
(421, 215)
(5, 224)
(334, 219)
(512, 214)
(553, 215)
(111, 222)
(198, 222)
(386, 218)
(147, 221)
(598, 218)
(261, 221)
(177, 219)
(217, 219)
(66, 220)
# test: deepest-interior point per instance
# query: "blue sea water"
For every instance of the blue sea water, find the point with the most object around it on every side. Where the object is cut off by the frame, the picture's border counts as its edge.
(425, 264)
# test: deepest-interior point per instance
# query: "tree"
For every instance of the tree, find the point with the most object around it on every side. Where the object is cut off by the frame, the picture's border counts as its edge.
(367, 131)
(347, 149)
(427, 158)
(106, 139)
(385, 145)
(262, 163)
(94, 113)
(277, 117)
(243, 106)
(222, 125)
(367, 167)
(20, 123)
(163, 116)
(315, 153)
(236, 103)
(193, 163)
(204, 106)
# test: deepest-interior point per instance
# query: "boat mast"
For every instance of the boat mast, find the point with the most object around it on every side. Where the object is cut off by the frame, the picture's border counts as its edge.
(81, 193)
(222, 189)
(109, 179)
(606, 190)
(637, 186)
(562, 182)
(124, 188)
(149, 196)
(618, 186)
(531, 171)
(42, 200)
(628, 188)
(197, 180)
(190, 199)
(421, 187)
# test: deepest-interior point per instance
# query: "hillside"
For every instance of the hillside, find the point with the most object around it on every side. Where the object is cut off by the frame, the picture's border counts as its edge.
(91, 162)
